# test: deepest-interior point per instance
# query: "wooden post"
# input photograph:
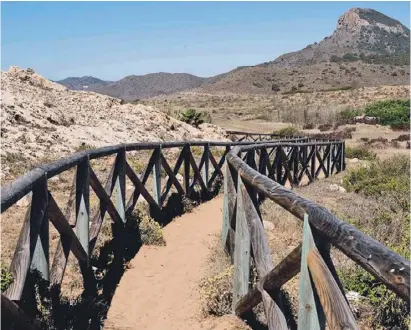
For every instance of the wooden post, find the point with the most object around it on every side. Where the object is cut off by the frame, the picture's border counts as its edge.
(308, 316)
(83, 204)
(157, 176)
(343, 156)
(313, 158)
(205, 168)
(186, 175)
(40, 259)
(241, 251)
(329, 149)
(263, 260)
(296, 156)
(120, 185)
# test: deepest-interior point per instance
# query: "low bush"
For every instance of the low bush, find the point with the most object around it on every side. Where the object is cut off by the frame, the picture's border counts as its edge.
(308, 126)
(395, 113)
(287, 131)
(192, 117)
(151, 232)
(349, 113)
(390, 175)
(325, 127)
(388, 183)
(360, 153)
(6, 278)
(217, 293)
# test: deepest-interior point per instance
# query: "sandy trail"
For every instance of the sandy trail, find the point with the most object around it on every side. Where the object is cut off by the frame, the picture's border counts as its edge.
(160, 291)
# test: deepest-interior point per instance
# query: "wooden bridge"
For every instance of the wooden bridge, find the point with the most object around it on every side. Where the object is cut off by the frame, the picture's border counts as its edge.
(251, 172)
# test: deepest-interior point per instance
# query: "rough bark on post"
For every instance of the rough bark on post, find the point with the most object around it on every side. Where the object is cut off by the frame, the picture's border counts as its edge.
(83, 204)
(157, 176)
(206, 164)
(242, 251)
(120, 185)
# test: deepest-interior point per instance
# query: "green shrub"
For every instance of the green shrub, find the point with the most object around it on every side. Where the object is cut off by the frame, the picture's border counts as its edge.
(150, 231)
(216, 293)
(360, 153)
(6, 278)
(390, 175)
(192, 117)
(287, 131)
(349, 113)
(389, 311)
(388, 182)
(395, 113)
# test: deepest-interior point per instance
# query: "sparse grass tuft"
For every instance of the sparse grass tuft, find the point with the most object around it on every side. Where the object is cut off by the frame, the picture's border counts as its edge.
(150, 231)
(287, 131)
(217, 293)
(360, 152)
(6, 278)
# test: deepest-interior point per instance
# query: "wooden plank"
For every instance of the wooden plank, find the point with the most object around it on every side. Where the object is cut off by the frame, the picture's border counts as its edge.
(157, 176)
(63, 227)
(186, 173)
(120, 184)
(242, 251)
(232, 210)
(389, 267)
(263, 261)
(272, 282)
(99, 216)
(63, 246)
(226, 220)
(313, 159)
(83, 204)
(335, 306)
(171, 178)
(206, 163)
(138, 184)
(197, 174)
(143, 178)
(13, 317)
(104, 198)
(308, 316)
(217, 167)
(28, 238)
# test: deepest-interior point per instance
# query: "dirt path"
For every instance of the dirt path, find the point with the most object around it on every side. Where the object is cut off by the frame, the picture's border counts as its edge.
(160, 291)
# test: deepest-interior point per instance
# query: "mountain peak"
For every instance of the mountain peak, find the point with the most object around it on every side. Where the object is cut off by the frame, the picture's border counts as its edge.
(355, 19)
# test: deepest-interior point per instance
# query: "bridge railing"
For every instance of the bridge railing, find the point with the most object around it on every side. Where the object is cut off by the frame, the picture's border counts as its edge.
(79, 236)
(252, 175)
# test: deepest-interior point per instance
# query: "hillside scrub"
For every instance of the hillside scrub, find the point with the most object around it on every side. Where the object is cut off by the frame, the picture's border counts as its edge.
(388, 183)
(360, 152)
(395, 113)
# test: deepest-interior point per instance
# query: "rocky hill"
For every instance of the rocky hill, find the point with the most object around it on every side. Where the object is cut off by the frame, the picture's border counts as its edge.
(366, 49)
(81, 83)
(360, 34)
(135, 87)
(43, 120)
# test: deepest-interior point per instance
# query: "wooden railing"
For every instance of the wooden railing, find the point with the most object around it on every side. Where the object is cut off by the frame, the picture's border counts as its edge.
(79, 236)
(259, 171)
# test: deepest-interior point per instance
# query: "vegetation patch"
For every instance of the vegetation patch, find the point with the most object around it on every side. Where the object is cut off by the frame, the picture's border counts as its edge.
(287, 131)
(194, 117)
(6, 278)
(151, 232)
(395, 113)
(360, 152)
(217, 292)
(388, 183)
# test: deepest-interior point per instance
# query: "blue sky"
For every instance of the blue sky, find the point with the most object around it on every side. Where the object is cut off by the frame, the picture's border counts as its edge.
(110, 40)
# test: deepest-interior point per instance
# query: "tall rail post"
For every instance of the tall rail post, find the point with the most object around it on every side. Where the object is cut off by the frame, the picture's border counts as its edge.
(157, 176)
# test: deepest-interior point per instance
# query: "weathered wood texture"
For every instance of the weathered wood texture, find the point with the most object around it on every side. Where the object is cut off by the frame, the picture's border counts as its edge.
(263, 261)
(389, 267)
(272, 282)
(13, 317)
(242, 249)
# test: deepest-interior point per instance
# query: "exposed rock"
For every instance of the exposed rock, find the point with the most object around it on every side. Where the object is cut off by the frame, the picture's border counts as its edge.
(60, 120)
(268, 225)
(336, 187)
(353, 160)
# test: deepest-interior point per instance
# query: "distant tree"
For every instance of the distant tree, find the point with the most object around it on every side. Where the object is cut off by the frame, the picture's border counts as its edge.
(192, 117)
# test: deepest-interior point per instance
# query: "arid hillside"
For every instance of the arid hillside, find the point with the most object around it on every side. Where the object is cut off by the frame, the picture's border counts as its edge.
(235, 110)
(42, 120)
